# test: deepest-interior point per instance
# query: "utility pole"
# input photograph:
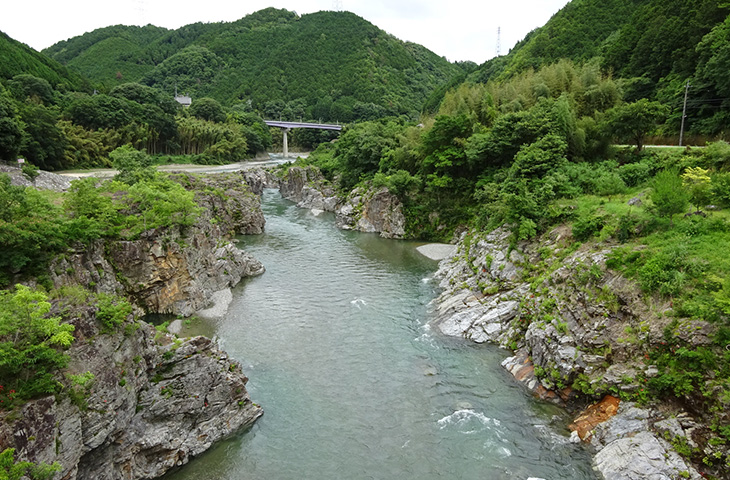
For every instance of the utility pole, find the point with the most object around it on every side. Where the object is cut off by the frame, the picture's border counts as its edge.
(684, 113)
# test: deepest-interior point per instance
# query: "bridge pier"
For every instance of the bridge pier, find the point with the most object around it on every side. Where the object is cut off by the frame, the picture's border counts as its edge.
(286, 142)
(286, 126)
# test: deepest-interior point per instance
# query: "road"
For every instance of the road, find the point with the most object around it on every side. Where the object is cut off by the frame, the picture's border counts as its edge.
(274, 159)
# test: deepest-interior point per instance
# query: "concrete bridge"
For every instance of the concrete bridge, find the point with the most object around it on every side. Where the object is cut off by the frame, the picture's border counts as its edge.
(286, 126)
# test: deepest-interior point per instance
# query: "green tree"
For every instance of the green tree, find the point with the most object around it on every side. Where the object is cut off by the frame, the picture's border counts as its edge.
(44, 143)
(133, 165)
(31, 230)
(92, 211)
(162, 203)
(207, 108)
(699, 185)
(31, 343)
(37, 90)
(537, 159)
(12, 470)
(361, 148)
(99, 111)
(632, 122)
(11, 128)
(668, 194)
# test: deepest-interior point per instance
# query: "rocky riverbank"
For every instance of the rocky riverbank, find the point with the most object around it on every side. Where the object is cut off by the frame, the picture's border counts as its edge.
(154, 402)
(173, 270)
(573, 325)
(373, 210)
(137, 402)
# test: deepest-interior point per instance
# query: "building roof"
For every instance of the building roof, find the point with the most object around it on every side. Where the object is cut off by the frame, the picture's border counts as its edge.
(183, 100)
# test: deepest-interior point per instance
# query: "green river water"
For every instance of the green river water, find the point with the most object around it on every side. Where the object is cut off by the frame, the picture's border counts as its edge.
(354, 384)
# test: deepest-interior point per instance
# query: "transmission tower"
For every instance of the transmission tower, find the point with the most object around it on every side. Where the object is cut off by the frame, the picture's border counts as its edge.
(337, 5)
(499, 40)
(140, 8)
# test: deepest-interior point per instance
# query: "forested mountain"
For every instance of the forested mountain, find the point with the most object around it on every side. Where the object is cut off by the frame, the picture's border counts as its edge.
(655, 46)
(18, 59)
(328, 65)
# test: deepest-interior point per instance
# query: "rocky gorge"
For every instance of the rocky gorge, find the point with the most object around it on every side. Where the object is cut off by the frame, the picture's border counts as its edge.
(172, 270)
(572, 323)
(373, 210)
(574, 326)
(153, 403)
(138, 401)
(577, 330)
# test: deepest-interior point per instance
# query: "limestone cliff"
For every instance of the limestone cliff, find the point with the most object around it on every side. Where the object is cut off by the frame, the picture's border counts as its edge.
(154, 403)
(574, 325)
(175, 270)
(375, 210)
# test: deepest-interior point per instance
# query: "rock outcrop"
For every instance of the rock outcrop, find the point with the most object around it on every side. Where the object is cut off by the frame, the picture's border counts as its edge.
(574, 325)
(372, 211)
(175, 270)
(44, 180)
(154, 402)
(628, 448)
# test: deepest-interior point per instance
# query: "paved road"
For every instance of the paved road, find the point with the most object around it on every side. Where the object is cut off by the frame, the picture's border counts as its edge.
(274, 159)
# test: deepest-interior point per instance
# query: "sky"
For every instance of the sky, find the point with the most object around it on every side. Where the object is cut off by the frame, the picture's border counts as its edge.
(456, 29)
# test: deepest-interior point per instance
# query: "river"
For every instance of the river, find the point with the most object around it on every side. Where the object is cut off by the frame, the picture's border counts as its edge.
(354, 384)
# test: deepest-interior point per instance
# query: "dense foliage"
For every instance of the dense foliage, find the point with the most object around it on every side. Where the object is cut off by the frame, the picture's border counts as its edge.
(31, 346)
(329, 66)
(35, 226)
(501, 151)
(55, 130)
(527, 140)
(654, 46)
(534, 151)
(12, 470)
(19, 59)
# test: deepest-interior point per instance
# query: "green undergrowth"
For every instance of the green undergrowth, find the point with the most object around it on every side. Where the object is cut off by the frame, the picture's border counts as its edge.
(682, 268)
(37, 329)
(37, 225)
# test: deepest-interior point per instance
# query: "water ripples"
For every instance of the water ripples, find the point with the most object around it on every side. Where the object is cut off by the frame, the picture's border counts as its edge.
(354, 382)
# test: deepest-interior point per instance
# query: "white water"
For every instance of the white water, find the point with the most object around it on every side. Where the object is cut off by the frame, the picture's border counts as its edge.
(354, 383)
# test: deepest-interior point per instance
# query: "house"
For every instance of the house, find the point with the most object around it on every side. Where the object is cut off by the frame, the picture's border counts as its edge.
(183, 100)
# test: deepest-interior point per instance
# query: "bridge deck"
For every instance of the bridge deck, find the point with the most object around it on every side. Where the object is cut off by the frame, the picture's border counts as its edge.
(320, 126)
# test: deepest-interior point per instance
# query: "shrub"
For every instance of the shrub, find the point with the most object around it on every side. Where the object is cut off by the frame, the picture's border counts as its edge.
(667, 271)
(113, 311)
(668, 195)
(634, 174)
(133, 165)
(31, 344)
(12, 470)
(30, 171)
(609, 183)
(587, 225)
(717, 154)
(721, 189)
(697, 182)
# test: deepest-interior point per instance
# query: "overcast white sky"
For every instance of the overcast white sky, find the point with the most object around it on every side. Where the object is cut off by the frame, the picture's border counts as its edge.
(455, 29)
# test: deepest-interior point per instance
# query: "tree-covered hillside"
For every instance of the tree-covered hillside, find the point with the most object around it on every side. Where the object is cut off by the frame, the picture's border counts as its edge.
(326, 65)
(18, 58)
(112, 52)
(654, 46)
